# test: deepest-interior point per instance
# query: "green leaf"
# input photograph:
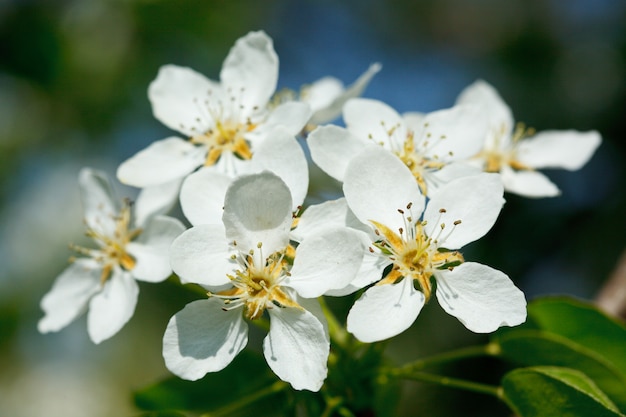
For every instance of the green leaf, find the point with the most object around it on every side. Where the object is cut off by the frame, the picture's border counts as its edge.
(583, 323)
(554, 391)
(563, 331)
(536, 347)
(234, 391)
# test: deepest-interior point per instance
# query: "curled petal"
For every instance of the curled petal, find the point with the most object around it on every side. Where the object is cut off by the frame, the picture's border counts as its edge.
(202, 338)
(162, 162)
(567, 149)
(257, 209)
(297, 348)
(327, 96)
(69, 295)
(482, 298)
(384, 311)
(111, 308)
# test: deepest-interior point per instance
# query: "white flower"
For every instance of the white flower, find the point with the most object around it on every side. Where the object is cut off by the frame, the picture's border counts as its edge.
(202, 193)
(105, 280)
(245, 260)
(223, 121)
(419, 243)
(516, 152)
(432, 146)
(328, 95)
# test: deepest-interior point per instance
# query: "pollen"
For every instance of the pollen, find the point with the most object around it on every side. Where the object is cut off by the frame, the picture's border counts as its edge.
(415, 252)
(257, 287)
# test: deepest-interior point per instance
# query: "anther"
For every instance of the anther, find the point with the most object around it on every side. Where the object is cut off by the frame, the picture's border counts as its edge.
(457, 222)
(442, 210)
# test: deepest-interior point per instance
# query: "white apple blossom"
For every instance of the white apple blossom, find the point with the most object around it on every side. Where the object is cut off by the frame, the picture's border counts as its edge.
(246, 262)
(419, 243)
(105, 279)
(517, 152)
(222, 122)
(327, 96)
(433, 146)
(202, 193)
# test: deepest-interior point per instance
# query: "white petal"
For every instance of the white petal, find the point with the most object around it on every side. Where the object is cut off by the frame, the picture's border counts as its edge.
(567, 149)
(374, 120)
(332, 147)
(452, 134)
(282, 154)
(203, 338)
(297, 348)
(178, 97)
(332, 213)
(69, 295)
(384, 311)
(413, 120)
(162, 162)
(201, 255)
(100, 207)
(330, 110)
(250, 71)
(155, 200)
(291, 116)
(481, 297)
(370, 271)
(377, 184)
(152, 249)
(257, 209)
(111, 308)
(483, 94)
(320, 95)
(475, 200)
(326, 261)
(202, 196)
(532, 184)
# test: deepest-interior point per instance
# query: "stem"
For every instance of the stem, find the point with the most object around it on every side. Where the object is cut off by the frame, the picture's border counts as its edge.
(492, 390)
(227, 410)
(337, 333)
(490, 349)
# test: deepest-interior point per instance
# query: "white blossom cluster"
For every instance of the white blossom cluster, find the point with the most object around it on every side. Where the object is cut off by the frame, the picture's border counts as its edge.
(417, 188)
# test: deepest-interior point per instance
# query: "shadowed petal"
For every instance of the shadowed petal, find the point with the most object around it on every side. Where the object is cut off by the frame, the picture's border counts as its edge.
(203, 338)
(297, 348)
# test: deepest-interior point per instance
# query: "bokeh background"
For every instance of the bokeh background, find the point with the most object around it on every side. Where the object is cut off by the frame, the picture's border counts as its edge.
(73, 81)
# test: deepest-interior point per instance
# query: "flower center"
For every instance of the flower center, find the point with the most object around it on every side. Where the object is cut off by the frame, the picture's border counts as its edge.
(417, 162)
(112, 250)
(225, 137)
(505, 153)
(257, 287)
(415, 254)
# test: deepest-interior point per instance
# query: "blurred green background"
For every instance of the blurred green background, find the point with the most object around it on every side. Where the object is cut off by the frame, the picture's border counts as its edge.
(73, 81)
